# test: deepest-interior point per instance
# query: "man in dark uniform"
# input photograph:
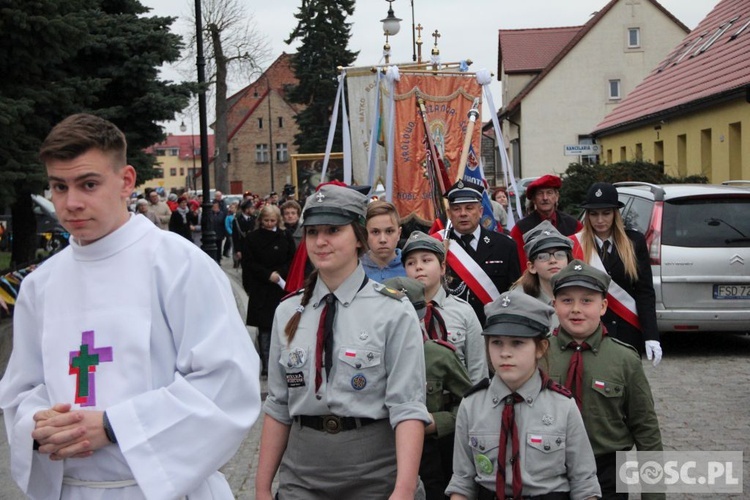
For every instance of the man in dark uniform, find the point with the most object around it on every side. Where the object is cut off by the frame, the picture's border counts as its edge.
(544, 193)
(495, 253)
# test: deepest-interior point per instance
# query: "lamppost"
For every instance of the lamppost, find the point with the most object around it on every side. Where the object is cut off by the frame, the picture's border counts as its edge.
(209, 236)
(191, 177)
(391, 26)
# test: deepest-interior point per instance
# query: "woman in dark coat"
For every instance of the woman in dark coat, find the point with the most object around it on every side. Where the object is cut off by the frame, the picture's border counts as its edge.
(266, 255)
(606, 244)
(182, 219)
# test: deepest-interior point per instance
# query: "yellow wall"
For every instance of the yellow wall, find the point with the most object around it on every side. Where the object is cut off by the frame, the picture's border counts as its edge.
(169, 182)
(714, 142)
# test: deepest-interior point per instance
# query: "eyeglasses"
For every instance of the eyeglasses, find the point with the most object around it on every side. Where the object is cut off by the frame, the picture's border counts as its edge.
(557, 254)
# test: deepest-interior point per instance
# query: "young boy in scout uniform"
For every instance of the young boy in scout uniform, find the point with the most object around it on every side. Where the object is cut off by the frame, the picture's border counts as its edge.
(604, 374)
(447, 381)
(448, 317)
(520, 435)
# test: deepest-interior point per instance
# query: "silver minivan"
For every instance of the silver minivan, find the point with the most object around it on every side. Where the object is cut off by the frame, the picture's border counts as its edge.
(699, 244)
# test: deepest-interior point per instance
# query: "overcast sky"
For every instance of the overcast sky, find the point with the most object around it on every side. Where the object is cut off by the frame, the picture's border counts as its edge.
(469, 29)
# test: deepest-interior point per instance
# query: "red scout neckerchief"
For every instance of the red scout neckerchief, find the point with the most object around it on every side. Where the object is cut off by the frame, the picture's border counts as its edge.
(574, 380)
(434, 323)
(508, 426)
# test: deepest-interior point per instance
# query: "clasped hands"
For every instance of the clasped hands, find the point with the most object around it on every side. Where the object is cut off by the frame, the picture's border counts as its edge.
(62, 433)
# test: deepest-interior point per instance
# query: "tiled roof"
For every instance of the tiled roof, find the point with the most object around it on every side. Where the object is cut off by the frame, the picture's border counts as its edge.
(516, 101)
(185, 144)
(696, 71)
(242, 104)
(531, 50)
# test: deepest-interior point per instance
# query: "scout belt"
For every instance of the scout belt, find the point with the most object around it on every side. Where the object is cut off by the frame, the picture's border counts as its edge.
(333, 424)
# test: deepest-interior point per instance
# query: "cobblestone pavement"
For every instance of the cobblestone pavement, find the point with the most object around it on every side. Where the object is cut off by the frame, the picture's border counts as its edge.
(701, 391)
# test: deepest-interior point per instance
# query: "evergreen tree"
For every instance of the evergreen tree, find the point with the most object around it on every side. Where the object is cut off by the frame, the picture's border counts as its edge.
(59, 57)
(324, 33)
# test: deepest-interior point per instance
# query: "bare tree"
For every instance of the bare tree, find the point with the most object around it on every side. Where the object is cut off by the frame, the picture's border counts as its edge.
(234, 51)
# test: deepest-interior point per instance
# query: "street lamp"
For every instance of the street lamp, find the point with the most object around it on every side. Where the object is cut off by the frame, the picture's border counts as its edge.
(191, 177)
(209, 236)
(391, 26)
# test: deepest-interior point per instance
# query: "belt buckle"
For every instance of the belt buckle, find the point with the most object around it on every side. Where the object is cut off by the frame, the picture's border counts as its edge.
(332, 424)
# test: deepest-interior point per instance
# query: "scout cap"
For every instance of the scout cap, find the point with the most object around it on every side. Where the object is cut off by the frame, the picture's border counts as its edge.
(413, 289)
(517, 314)
(336, 206)
(602, 195)
(543, 237)
(420, 241)
(578, 273)
(463, 192)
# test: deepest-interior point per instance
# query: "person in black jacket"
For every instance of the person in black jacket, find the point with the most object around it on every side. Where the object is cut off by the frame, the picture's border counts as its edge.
(242, 225)
(605, 244)
(266, 255)
(182, 220)
(494, 253)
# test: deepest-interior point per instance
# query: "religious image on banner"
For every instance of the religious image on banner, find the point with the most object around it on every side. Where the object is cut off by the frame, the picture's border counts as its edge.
(447, 100)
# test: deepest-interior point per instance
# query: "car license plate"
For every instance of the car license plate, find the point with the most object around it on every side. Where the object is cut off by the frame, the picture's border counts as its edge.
(731, 292)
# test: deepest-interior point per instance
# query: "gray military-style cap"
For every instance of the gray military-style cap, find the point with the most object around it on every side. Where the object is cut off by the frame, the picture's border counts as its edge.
(578, 273)
(516, 314)
(413, 289)
(336, 206)
(543, 237)
(420, 241)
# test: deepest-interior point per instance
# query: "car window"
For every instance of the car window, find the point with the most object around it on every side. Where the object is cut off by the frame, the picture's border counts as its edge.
(707, 222)
(637, 213)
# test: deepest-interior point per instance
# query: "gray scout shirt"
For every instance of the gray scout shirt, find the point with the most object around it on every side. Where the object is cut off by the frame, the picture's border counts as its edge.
(464, 332)
(554, 449)
(378, 363)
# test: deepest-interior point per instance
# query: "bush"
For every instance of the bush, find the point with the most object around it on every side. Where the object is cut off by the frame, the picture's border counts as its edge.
(578, 177)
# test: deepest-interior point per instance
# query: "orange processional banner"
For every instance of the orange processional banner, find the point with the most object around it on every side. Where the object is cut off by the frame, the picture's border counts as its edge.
(448, 99)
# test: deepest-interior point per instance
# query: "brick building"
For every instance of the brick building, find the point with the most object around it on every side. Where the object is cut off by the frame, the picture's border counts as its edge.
(261, 128)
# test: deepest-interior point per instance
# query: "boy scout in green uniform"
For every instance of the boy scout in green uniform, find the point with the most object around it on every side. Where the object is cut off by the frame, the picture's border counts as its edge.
(447, 380)
(605, 375)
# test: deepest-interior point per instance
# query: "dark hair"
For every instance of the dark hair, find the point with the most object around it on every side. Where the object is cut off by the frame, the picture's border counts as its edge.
(291, 326)
(79, 133)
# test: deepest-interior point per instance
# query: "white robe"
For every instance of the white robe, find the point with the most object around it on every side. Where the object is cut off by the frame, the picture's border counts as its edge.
(181, 389)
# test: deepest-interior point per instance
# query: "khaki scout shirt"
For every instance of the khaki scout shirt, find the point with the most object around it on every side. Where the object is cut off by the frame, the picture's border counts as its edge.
(378, 362)
(555, 453)
(618, 408)
(447, 382)
(464, 332)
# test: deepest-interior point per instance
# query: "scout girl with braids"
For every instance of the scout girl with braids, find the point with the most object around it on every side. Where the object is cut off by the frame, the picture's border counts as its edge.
(520, 435)
(345, 412)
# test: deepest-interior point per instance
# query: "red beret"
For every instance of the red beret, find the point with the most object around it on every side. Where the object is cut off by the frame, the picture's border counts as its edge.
(545, 181)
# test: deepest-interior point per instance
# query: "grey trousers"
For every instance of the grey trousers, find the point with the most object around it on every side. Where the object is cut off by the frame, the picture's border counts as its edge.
(360, 463)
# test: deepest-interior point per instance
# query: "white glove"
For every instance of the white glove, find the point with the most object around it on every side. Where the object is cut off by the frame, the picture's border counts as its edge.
(653, 350)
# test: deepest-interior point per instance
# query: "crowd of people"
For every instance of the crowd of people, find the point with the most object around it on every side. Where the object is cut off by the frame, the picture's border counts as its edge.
(456, 362)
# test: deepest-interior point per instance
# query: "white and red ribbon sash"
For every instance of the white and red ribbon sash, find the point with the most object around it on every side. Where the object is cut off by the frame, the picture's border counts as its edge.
(469, 271)
(620, 301)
